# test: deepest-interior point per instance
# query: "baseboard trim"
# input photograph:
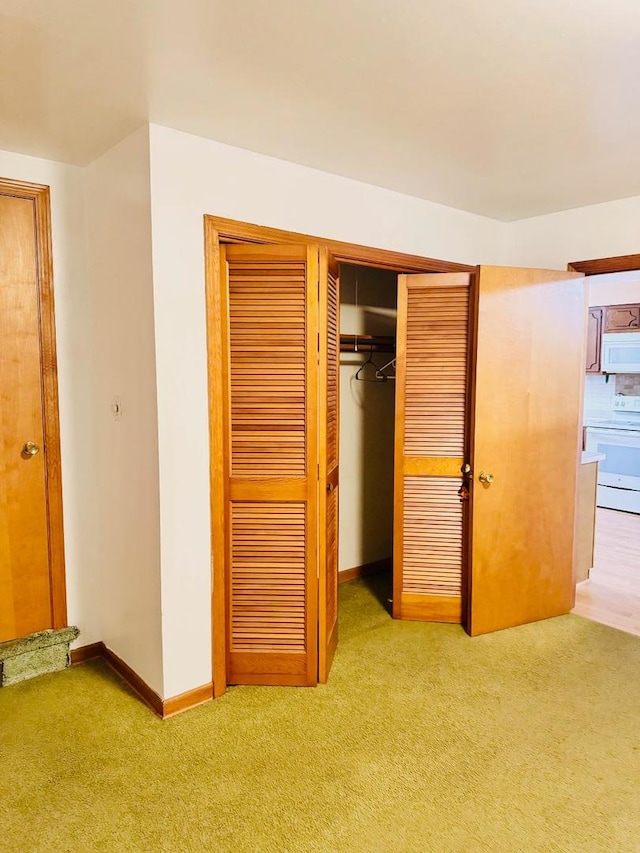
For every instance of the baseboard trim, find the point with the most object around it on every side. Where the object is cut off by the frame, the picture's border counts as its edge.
(133, 680)
(184, 701)
(363, 571)
(85, 653)
(164, 708)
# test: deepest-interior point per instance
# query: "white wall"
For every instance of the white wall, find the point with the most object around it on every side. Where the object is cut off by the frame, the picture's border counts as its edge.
(121, 456)
(74, 343)
(620, 288)
(557, 239)
(367, 415)
(191, 176)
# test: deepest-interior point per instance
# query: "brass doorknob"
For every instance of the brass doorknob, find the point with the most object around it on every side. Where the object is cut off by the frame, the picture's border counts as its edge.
(30, 449)
(485, 478)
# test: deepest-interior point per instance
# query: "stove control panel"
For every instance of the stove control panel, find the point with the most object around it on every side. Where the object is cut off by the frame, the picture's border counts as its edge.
(626, 404)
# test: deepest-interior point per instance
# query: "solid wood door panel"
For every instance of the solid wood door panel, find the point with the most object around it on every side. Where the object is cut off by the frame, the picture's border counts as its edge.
(329, 447)
(270, 309)
(430, 442)
(529, 365)
(25, 585)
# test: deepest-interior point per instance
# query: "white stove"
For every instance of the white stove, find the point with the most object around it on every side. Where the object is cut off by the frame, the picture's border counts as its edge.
(618, 437)
(624, 415)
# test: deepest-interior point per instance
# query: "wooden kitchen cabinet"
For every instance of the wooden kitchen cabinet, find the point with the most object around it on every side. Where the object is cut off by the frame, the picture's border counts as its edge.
(594, 339)
(622, 318)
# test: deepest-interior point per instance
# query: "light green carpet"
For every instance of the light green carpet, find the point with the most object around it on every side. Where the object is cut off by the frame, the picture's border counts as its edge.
(423, 740)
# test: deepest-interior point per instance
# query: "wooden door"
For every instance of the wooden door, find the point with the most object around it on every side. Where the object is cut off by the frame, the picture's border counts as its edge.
(529, 367)
(329, 445)
(25, 582)
(281, 358)
(430, 442)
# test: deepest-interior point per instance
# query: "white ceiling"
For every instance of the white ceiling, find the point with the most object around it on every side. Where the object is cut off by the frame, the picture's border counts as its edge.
(507, 108)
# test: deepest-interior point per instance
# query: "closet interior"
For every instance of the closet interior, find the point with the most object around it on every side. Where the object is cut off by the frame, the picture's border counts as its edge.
(368, 318)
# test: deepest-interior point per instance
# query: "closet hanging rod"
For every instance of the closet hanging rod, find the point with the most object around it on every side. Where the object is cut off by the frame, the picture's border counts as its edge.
(367, 343)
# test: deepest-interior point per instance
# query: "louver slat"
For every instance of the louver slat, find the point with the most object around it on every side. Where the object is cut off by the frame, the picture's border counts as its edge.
(433, 550)
(329, 451)
(267, 336)
(333, 368)
(268, 577)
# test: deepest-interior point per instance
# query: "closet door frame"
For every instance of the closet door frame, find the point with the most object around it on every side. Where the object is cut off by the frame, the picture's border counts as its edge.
(217, 231)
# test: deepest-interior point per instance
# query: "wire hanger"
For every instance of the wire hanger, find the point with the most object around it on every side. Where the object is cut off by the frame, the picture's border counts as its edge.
(361, 372)
(378, 375)
(390, 364)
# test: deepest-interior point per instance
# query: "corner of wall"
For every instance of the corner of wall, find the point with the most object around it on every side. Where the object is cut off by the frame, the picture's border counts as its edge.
(121, 453)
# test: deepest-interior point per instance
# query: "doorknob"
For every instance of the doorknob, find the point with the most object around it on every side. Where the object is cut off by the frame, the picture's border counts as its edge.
(485, 478)
(30, 448)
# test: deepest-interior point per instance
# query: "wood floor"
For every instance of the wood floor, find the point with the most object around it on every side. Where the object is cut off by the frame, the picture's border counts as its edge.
(612, 593)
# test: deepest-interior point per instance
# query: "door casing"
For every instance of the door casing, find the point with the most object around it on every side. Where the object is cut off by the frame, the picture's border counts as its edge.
(219, 230)
(39, 196)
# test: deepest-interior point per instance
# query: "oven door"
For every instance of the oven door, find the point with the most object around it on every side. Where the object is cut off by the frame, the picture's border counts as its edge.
(621, 468)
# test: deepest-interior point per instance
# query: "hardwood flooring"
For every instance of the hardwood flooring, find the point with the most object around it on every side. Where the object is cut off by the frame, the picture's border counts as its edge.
(612, 593)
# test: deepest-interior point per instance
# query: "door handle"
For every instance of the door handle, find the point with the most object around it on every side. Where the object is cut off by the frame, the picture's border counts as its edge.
(29, 449)
(485, 478)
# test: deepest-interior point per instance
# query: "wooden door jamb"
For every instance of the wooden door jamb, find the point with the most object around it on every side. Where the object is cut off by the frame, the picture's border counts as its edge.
(600, 266)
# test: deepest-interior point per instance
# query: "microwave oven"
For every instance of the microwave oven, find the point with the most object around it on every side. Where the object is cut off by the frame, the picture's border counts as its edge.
(620, 352)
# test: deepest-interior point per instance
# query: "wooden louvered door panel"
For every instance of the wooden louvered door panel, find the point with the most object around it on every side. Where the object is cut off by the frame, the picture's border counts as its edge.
(430, 446)
(270, 307)
(329, 451)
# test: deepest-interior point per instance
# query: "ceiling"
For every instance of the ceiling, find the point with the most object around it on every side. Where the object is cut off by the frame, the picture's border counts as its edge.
(509, 108)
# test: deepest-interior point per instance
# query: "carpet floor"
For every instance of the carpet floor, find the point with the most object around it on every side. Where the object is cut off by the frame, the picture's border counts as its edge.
(423, 740)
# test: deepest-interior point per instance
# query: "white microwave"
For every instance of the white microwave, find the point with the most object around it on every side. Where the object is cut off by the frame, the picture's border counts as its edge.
(620, 352)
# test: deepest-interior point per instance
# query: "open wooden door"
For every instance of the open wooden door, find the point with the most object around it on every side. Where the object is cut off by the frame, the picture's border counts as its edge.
(329, 434)
(270, 312)
(529, 370)
(504, 556)
(430, 441)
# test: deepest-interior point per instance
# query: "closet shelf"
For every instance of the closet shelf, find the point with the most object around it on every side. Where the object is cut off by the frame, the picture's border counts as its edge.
(367, 343)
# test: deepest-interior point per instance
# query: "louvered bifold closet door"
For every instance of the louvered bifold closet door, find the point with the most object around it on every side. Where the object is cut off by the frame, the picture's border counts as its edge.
(271, 309)
(329, 434)
(430, 446)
